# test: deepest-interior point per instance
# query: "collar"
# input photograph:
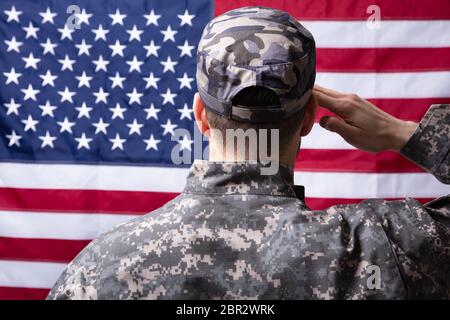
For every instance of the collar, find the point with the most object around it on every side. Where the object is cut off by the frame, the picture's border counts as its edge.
(211, 177)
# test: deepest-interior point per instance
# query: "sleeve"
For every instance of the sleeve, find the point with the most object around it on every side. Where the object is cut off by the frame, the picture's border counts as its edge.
(78, 281)
(429, 145)
(419, 234)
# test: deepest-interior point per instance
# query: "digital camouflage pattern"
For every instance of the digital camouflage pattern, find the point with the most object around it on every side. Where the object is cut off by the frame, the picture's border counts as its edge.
(236, 234)
(434, 124)
(255, 46)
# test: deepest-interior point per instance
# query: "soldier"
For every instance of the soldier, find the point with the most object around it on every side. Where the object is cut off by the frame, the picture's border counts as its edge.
(236, 233)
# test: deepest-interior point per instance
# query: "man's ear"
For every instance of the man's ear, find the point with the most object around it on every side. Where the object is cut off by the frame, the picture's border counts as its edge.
(308, 118)
(200, 115)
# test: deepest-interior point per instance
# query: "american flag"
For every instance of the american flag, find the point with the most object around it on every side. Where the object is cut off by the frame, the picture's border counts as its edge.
(91, 93)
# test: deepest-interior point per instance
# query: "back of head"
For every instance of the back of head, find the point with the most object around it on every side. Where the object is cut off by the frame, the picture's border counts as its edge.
(255, 69)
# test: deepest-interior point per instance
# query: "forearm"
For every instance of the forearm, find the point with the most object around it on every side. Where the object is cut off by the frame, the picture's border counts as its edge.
(429, 145)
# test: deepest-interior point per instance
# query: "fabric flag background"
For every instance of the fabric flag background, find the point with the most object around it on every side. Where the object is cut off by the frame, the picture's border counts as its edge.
(87, 115)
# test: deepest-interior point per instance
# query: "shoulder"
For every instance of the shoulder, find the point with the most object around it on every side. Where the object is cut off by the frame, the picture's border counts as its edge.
(101, 261)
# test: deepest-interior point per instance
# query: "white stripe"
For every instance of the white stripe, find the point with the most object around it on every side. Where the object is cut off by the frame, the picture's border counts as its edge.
(21, 274)
(92, 177)
(370, 185)
(126, 178)
(320, 138)
(400, 33)
(389, 84)
(67, 226)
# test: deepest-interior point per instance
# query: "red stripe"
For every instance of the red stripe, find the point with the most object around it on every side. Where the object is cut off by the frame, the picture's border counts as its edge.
(383, 59)
(93, 201)
(353, 161)
(406, 109)
(347, 9)
(9, 293)
(45, 250)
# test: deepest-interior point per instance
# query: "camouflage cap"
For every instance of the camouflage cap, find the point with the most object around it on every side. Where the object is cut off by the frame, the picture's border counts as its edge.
(255, 46)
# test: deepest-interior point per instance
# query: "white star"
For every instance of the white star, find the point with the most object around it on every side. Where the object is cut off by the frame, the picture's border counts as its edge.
(117, 81)
(168, 97)
(47, 109)
(152, 143)
(100, 126)
(47, 140)
(83, 142)
(117, 142)
(100, 33)
(83, 111)
(100, 64)
(66, 95)
(66, 63)
(185, 143)
(30, 123)
(83, 17)
(66, 32)
(31, 31)
(135, 97)
(117, 48)
(185, 81)
(13, 45)
(83, 80)
(66, 125)
(13, 139)
(186, 49)
(152, 18)
(117, 18)
(185, 112)
(169, 34)
(117, 111)
(49, 47)
(48, 79)
(152, 112)
(135, 64)
(101, 96)
(47, 16)
(29, 93)
(83, 48)
(169, 65)
(31, 61)
(135, 33)
(152, 49)
(12, 107)
(12, 76)
(135, 127)
(13, 14)
(168, 127)
(152, 81)
(186, 18)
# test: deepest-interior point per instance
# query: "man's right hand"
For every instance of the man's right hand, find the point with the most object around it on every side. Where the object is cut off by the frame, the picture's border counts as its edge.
(361, 123)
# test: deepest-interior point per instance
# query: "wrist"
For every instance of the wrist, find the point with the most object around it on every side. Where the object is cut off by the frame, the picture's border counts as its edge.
(401, 133)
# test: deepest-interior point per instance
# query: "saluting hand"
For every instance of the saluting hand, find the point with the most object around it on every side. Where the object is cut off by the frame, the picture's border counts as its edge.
(361, 123)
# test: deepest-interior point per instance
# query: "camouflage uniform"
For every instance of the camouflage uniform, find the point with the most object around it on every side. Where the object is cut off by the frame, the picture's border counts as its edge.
(236, 234)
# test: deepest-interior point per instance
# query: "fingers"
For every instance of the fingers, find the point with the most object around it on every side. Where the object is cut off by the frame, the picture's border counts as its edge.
(339, 126)
(333, 104)
(329, 92)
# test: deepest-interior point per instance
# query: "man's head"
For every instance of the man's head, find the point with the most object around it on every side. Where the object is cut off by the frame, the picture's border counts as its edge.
(256, 70)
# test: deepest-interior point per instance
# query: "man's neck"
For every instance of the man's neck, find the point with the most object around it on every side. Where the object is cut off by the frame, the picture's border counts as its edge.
(219, 155)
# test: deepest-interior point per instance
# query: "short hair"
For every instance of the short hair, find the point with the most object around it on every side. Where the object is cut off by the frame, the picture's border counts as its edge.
(257, 96)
